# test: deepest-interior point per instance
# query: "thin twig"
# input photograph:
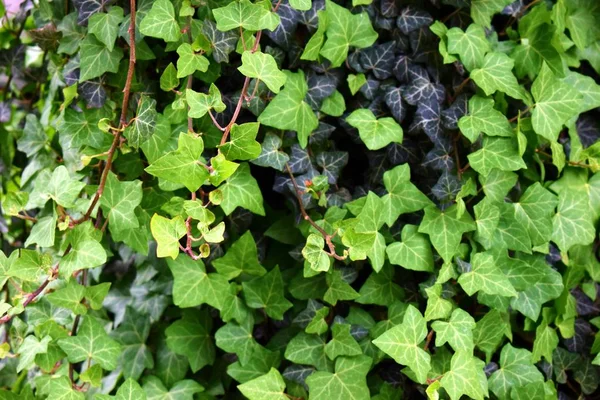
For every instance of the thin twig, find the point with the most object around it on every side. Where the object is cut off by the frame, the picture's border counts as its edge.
(307, 217)
(122, 120)
(215, 122)
(428, 340)
(520, 114)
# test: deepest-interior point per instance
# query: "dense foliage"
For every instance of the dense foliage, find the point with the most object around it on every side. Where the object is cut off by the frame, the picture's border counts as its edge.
(311, 199)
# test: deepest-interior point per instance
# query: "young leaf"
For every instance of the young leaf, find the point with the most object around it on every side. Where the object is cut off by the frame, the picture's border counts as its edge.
(160, 22)
(264, 68)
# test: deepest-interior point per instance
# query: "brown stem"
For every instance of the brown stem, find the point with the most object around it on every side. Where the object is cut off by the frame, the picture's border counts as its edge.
(122, 120)
(26, 217)
(238, 106)
(306, 217)
(460, 88)
(516, 117)
(75, 326)
(452, 14)
(428, 341)
(215, 122)
(33, 295)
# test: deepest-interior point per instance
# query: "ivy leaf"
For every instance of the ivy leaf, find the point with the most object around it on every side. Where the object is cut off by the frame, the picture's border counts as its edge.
(445, 229)
(288, 110)
(263, 67)
(516, 371)
(191, 339)
(379, 59)
(571, 224)
(314, 44)
(43, 232)
(403, 197)
(241, 190)
(167, 233)
(201, 103)
(129, 389)
(483, 10)
(244, 14)
(487, 277)
(470, 45)
(86, 252)
(237, 339)
(482, 117)
(241, 257)
(222, 43)
(555, 103)
(546, 340)
(61, 188)
(271, 155)
(119, 201)
(69, 297)
(338, 289)
(267, 292)
(193, 286)
(183, 165)
(161, 22)
(349, 380)
(105, 26)
(458, 332)
(29, 349)
(242, 144)
(96, 58)
(402, 343)
(266, 387)
(535, 48)
(92, 342)
(412, 19)
(437, 306)
(182, 390)
(355, 82)
(34, 137)
(314, 254)
(61, 388)
(308, 349)
(496, 153)
(534, 210)
(87, 8)
(414, 252)
(465, 377)
(132, 334)
(496, 74)
(375, 133)
(345, 29)
(189, 61)
(82, 127)
(380, 288)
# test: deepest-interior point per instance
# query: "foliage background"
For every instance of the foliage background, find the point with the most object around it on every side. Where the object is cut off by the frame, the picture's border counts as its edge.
(300, 200)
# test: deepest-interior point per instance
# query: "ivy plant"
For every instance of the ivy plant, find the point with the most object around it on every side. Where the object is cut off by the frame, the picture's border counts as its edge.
(299, 199)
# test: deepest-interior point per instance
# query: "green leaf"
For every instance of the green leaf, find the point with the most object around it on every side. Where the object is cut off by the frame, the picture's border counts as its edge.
(184, 165)
(237, 339)
(241, 190)
(267, 292)
(167, 233)
(86, 252)
(571, 225)
(61, 388)
(271, 155)
(585, 86)
(200, 103)
(244, 14)
(348, 382)
(222, 170)
(193, 286)
(465, 377)
(497, 183)
(546, 340)
(485, 276)
(516, 370)
(355, 82)
(484, 118)
(414, 252)
(69, 297)
(403, 197)
(445, 229)
(437, 306)
(141, 128)
(483, 10)
(534, 210)
(96, 58)
(302, 5)
(314, 44)
(338, 289)
(490, 331)
(267, 387)
(132, 334)
(191, 339)
(289, 111)
(168, 79)
(29, 349)
(263, 67)
(496, 153)
(119, 201)
(314, 254)
(43, 232)
(105, 26)
(375, 133)
(308, 350)
(402, 343)
(345, 29)
(242, 144)
(161, 22)
(495, 74)
(342, 343)
(92, 342)
(241, 257)
(189, 61)
(380, 288)
(61, 188)
(555, 103)
(535, 48)
(182, 390)
(470, 45)
(128, 390)
(458, 332)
